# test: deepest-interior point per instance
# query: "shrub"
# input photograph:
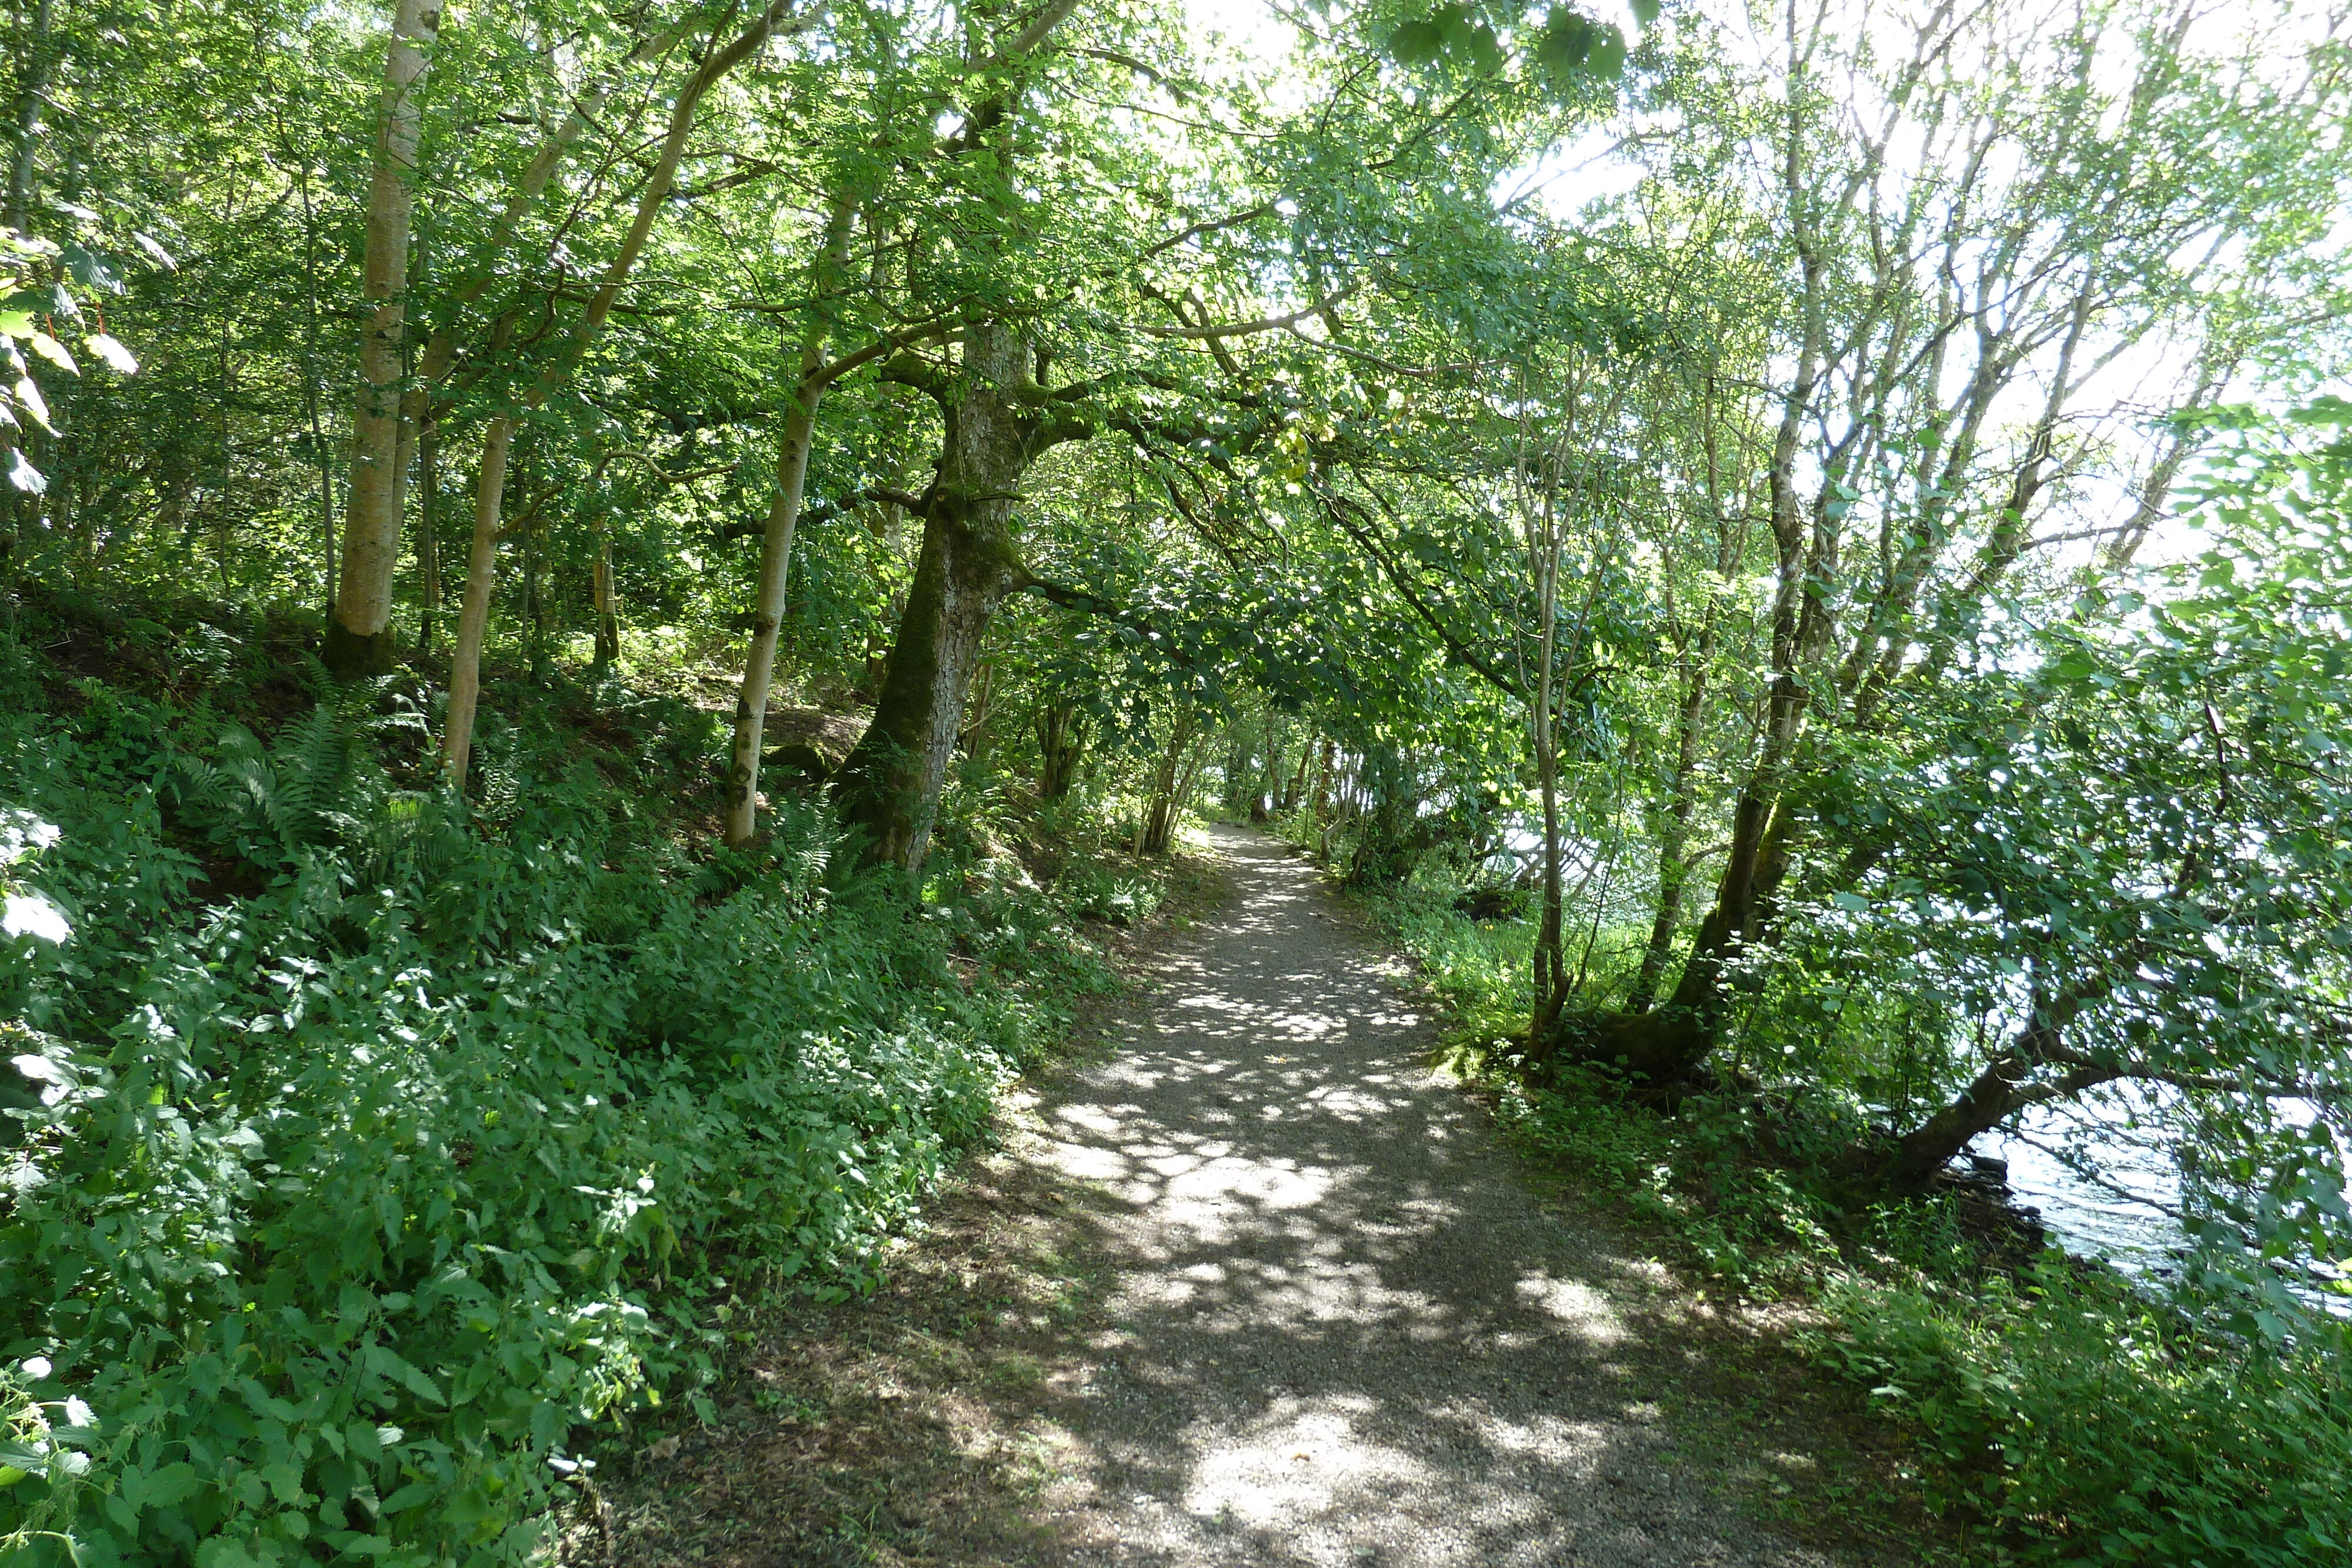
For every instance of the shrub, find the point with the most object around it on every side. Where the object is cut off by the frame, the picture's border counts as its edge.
(2105, 1426)
(373, 1146)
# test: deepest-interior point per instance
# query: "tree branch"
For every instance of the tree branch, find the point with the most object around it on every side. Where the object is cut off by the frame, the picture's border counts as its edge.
(1243, 328)
(1335, 507)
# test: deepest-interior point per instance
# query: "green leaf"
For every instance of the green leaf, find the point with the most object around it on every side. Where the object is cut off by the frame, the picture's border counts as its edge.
(409, 1495)
(109, 348)
(284, 1480)
(1565, 43)
(1609, 53)
(1416, 43)
(23, 475)
(49, 349)
(30, 399)
(171, 1486)
(221, 1552)
(386, 1364)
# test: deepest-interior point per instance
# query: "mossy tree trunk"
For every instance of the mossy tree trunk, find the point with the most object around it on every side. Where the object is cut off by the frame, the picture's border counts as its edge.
(1061, 744)
(998, 419)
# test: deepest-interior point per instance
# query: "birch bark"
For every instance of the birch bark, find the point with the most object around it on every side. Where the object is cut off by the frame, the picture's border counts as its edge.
(776, 548)
(473, 622)
(358, 633)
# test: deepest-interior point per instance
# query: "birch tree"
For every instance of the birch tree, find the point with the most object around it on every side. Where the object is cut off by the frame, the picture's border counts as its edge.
(358, 633)
(1971, 232)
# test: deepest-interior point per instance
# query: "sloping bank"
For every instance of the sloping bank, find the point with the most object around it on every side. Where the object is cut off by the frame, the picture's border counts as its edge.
(361, 1144)
(2053, 1412)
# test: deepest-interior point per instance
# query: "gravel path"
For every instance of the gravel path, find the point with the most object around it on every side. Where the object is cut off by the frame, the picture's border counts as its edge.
(1345, 1331)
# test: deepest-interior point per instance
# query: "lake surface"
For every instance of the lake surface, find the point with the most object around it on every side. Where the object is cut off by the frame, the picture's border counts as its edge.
(2125, 1216)
(2122, 1217)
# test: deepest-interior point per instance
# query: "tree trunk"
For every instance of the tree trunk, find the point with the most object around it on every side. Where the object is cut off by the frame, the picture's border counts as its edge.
(1994, 1095)
(1156, 823)
(793, 445)
(1385, 852)
(1674, 875)
(608, 609)
(767, 619)
(1188, 776)
(1061, 741)
(1666, 1045)
(457, 744)
(428, 534)
(474, 615)
(889, 785)
(534, 603)
(1267, 778)
(1550, 957)
(359, 635)
(1292, 790)
(31, 98)
(980, 706)
(997, 421)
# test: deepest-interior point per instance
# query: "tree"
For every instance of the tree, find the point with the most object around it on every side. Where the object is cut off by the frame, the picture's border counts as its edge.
(2026, 240)
(358, 633)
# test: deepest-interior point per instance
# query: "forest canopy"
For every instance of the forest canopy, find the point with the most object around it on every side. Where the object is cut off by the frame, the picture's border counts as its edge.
(1840, 513)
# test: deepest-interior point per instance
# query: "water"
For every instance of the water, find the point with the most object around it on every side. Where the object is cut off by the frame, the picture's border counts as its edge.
(2126, 1216)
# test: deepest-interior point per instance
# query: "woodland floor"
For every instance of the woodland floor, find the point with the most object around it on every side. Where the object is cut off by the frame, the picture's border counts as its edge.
(1249, 1283)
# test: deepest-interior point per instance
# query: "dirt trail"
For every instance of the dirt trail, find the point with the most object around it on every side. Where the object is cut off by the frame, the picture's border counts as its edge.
(1343, 1330)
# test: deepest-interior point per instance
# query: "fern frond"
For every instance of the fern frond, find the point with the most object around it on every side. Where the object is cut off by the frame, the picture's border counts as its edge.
(199, 783)
(313, 758)
(246, 763)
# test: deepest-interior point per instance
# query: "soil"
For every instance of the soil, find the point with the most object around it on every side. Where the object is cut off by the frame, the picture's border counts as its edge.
(1251, 1283)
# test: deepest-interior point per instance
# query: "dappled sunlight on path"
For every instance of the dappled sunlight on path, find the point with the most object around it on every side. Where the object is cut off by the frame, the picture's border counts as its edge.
(1344, 1331)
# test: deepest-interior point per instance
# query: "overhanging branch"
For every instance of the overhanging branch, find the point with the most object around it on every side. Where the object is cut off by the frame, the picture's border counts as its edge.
(1337, 508)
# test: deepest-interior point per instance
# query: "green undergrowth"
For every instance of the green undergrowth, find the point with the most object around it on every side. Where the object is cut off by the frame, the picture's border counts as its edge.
(359, 1142)
(2067, 1414)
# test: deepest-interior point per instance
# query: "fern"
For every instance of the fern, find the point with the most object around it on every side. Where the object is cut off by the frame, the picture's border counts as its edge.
(318, 785)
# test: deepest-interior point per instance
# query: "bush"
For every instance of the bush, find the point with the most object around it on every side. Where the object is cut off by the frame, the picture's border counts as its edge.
(367, 1147)
(2104, 1427)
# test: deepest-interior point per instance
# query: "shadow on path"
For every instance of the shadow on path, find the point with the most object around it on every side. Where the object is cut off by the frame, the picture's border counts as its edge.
(1344, 1332)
